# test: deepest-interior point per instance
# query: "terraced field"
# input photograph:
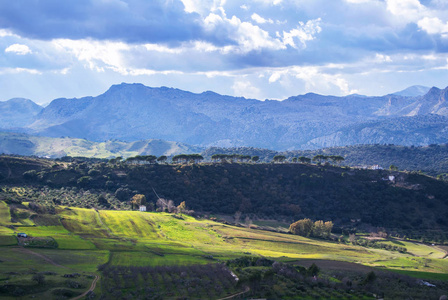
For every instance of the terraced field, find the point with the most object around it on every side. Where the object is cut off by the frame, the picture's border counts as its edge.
(87, 238)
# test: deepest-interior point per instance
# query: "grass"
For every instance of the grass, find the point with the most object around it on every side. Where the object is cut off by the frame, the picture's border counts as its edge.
(88, 238)
(64, 238)
(8, 240)
(143, 259)
(5, 215)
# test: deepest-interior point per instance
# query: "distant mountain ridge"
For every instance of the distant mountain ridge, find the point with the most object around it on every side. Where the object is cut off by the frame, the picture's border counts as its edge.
(18, 112)
(24, 144)
(413, 91)
(132, 112)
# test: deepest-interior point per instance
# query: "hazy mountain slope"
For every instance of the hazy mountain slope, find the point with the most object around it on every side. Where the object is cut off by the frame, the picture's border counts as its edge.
(413, 91)
(23, 144)
(418, 131)
(133, 112)
(18, 112)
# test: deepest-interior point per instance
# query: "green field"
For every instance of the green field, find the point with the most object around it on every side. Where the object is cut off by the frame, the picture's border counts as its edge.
(88, 238)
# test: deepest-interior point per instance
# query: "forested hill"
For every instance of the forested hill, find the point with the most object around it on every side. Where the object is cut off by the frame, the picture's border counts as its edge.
(276, 191)
(432, 159)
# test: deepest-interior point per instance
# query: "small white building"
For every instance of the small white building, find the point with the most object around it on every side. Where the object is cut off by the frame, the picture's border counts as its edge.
(142, 208)
(375, 167)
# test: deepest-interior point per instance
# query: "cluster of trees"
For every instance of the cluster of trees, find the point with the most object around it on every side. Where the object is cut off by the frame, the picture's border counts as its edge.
(196, 158)
(142, 159)
(334, 158)
(234, 157)
(306, 227)
(187, 158)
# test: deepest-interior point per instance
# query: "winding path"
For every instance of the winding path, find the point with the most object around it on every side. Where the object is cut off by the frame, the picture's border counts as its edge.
(47, 259)
(92, 287)
(50, 261)
(247, 289)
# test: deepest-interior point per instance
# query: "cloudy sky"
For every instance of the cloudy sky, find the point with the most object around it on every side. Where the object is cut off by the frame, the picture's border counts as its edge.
(253, 48)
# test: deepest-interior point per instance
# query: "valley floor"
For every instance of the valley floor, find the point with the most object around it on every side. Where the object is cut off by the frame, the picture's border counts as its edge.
(90, 243)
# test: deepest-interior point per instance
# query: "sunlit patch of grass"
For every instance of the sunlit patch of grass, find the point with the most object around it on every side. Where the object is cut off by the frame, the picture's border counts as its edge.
(6, 231)
(129, 224)
(83, 221)
(5, 215)
(417, 249)
(64, 238)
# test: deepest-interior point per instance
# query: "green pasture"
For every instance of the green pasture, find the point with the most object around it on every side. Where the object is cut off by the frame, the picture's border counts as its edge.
(417, 249)
(5, 215)
(6, 231)
(82, 221)
(8, 240)
(64, 238)
(88, 238)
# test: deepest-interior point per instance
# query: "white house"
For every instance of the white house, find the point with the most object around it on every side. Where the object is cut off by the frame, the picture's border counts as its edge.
(142, 208)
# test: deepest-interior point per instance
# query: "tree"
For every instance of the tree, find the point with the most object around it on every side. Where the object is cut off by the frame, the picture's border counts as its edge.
(138, 200)
(328, 226)
(162, 159)
(255, 158)
(294, 159)
(182, 207)
(39, 278)
(313, 270)
(319, 158)
(302, 227)
(279, 158)
(336, 158)
(304, 159)
(318, 228)
(393, 168)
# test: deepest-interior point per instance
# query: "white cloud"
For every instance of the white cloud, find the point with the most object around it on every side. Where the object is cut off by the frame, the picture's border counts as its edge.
(360, 1)
(248, 36)
(270, 2)
(260, 20)
(407, 10)
(245, 89)
(19, 70)
(97, 55)
(162, 49)
(434, 26)
(18, 49)
(202, 7)
(303, 33)
(244, 7)
(382, 58)
(4, 33)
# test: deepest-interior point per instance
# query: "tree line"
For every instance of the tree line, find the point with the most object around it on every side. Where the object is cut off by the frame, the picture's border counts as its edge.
(223, 158)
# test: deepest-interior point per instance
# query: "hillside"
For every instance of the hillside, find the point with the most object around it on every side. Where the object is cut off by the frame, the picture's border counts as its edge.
(18, 112)
(132, 112)
(408, 202)
(24, 144)
(165, 256)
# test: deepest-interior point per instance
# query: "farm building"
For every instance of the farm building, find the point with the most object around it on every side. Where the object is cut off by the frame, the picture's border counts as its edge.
(142, 208)
(22, 235)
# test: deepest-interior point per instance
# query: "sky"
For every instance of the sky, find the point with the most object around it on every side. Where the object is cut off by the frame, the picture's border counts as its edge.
(262, 49)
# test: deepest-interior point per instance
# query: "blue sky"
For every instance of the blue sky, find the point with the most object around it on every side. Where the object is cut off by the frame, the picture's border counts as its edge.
(263, 49)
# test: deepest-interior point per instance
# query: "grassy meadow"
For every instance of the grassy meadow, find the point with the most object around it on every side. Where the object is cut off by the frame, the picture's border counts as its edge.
(87, 239)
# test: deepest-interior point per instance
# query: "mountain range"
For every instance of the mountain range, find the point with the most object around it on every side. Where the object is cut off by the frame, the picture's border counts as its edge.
(130, 112)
